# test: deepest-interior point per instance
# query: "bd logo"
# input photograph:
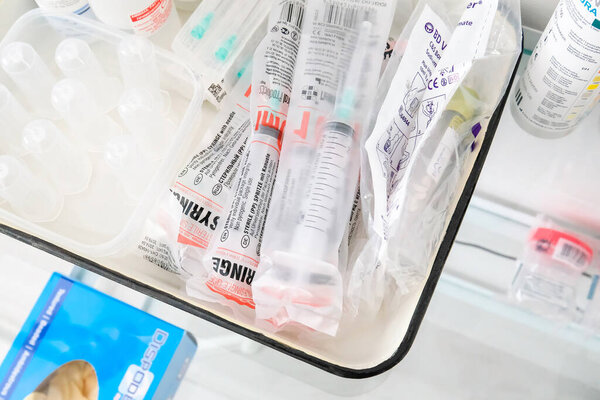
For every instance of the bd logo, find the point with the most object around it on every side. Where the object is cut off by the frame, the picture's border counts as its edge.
(429, 27)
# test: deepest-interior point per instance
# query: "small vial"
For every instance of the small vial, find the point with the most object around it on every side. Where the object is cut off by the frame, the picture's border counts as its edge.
(74, 101)
(31, 75)
(129, 165)
(139, 69)
(76, 60)
(29, 196)
(69, 168)
(13, 118)
(141, 113)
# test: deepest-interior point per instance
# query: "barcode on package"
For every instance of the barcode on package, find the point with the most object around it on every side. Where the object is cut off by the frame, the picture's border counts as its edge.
(293, 13)
(571, 253)
(341, 15)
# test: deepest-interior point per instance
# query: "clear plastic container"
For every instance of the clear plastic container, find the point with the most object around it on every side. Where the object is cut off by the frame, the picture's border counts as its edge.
(101, 220)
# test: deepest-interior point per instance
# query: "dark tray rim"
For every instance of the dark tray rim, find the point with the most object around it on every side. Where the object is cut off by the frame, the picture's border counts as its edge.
(338, 370)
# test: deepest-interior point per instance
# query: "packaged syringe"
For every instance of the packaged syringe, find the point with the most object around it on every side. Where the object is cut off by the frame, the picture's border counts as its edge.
(335, 79)
(423, 135)
(219, 39)
(202, 190)
(233, 258)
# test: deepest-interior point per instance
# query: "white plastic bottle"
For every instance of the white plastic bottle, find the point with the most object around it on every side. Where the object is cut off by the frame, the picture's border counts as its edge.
(562, 78)
(156, 18)
(79, 7)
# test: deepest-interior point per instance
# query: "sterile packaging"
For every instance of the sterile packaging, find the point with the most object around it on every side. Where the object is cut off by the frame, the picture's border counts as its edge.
(562, 79)
(338, 64)
(177, 237)
(231, 261)
(59, 104)
(80, 344)
(552, 264)
(439, 103)
(219, 39)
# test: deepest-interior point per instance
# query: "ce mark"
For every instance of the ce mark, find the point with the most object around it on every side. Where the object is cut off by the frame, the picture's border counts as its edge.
(436, 83)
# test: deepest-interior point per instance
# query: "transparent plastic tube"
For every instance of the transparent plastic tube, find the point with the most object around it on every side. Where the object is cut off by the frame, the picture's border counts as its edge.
(69, 168)
(139, 68)
(31, 75)
(129, 165)
(142, 115)
(76, 60)
(74, 101)
(13, 118)
(29, 196)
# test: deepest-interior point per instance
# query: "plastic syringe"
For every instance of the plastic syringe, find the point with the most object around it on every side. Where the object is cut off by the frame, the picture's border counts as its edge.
(307, 273)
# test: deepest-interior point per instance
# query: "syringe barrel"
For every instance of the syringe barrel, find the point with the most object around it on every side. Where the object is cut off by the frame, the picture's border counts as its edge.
(329, 182)
(137, 59)
(28, 195)
(13, 118)
(68, 167)
(76, 60)
(31, 75)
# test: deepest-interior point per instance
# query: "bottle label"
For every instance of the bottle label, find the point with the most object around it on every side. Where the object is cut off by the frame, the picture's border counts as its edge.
(562, 79)
(150, 19)
(78, 7)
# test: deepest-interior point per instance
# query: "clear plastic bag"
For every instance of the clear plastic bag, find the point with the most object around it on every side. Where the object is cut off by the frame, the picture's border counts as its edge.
(232, 259)
(298, 279)
(440, 99)
(181, 230)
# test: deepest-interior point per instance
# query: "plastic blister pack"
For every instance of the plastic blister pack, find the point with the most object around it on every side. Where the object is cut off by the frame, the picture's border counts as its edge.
(67, 139)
